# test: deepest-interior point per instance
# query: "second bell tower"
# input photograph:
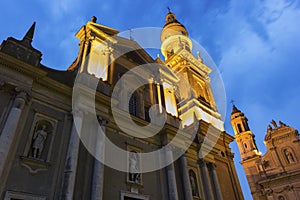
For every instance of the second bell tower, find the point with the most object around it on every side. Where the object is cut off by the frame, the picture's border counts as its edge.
(243, 135)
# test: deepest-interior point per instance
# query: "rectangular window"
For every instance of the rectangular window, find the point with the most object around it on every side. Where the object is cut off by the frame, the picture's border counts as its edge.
(133, 105)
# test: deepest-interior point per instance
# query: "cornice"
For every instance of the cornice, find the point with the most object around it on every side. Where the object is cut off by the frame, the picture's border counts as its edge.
(20, 66)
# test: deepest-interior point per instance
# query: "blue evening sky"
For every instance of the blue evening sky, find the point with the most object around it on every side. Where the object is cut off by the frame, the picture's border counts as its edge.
(255, 44)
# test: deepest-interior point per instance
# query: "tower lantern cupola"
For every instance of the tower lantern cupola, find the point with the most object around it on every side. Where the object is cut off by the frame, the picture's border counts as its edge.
(243, 135)
(174, 36)
(238, 121)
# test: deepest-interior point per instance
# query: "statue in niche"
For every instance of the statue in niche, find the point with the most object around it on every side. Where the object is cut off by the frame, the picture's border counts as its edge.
(39, 139)
(193, 182)
(289, 156)
(134, 165)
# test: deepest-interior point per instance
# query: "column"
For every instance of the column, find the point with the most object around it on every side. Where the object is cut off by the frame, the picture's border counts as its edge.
(141, 105)
(212, 167)
(98, 174)
(9, 131)
(206, 179)
(159, 97)
(72, 157)
(172, 187)
(111, 70)
(151, 91)
(186, 181)
(85, 57)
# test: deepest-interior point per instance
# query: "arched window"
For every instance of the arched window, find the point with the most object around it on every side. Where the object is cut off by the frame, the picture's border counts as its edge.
(201, 92)
(239, 128)
(222, 153)
(245, 145)
(194, 184)
(133, 105)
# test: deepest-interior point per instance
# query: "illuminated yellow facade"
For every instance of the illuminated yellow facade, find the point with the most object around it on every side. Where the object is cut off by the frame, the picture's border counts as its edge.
(176, 48)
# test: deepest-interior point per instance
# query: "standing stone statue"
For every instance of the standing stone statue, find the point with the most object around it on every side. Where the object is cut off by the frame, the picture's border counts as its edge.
(289, 157)
(134, 175)
(39, 138)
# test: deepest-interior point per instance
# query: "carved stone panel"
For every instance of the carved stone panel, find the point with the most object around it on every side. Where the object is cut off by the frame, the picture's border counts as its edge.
(12, 195)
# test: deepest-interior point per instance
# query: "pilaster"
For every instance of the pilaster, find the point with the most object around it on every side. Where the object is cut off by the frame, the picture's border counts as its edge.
(207, 185)
(9, 132)
(98, 173)
(72, 157)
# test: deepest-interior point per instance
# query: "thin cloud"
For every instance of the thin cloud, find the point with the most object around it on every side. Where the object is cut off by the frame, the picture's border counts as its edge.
(254, 43)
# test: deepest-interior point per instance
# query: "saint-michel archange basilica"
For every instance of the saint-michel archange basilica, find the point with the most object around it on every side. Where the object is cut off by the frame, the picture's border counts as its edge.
(107, 128)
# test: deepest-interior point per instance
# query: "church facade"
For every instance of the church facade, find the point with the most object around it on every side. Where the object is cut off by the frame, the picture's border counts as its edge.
(47, 144)
(275, 175)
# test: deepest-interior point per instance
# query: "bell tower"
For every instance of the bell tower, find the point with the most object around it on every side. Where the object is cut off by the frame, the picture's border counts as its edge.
(243, 135)
(199, 103)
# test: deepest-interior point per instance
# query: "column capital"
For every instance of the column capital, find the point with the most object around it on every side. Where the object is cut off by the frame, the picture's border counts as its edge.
(151, 80)
(102, 121)
(107, 50)
(202, 162)
(230, 154)
(211, 166)
(21, 99)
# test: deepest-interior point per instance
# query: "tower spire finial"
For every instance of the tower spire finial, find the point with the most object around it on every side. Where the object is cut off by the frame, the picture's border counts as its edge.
(169, 10)
(27, 39)
(234, 108)
(232, 102)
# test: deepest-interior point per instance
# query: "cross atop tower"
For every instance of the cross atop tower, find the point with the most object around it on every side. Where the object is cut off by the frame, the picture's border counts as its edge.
(232, 102)
(169, 9)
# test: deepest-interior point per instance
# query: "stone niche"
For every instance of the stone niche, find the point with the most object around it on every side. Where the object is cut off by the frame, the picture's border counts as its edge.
(37, 152)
